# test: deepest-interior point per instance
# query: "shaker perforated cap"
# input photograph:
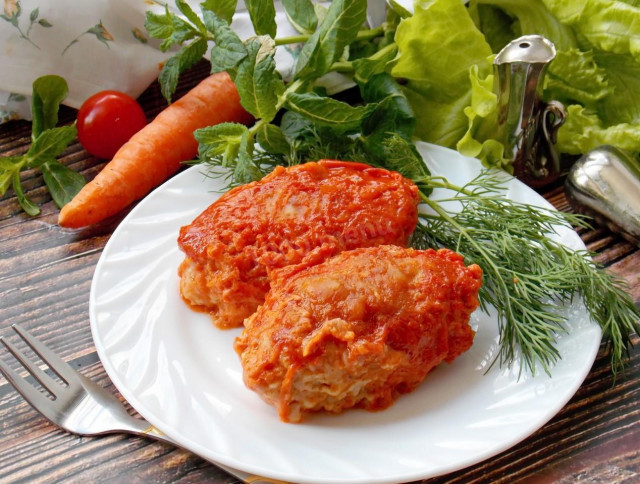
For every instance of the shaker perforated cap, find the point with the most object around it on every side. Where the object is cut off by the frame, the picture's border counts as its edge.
(532, 49)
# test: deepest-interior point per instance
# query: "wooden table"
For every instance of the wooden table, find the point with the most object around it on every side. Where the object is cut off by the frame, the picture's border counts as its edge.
(45, 278)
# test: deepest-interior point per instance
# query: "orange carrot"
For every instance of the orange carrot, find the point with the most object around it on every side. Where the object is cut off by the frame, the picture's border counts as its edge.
(155, 153)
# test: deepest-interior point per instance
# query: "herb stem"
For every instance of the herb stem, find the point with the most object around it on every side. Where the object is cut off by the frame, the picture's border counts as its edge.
(463, 233)
(345, 67)
(365, 34)
(293, 39)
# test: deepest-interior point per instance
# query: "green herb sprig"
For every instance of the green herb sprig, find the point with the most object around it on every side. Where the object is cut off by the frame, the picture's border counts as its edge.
(47, 143)
(528, 274)
(276, 138)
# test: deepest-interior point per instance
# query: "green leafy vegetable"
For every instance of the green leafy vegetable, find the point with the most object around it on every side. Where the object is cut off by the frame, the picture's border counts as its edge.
(229, 50)
(324, 111)
(336, 31)
(608, 25)
(301, 14)
(258, 83)
(63, 183)
(596, 72)
(263, 16)
(48, 93)
(437, 46)
(576, 78)
(534, 18)
(222, 8)
(48, 142)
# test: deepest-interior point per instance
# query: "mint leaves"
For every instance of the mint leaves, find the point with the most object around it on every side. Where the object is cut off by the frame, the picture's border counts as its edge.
(338, 29)
(48, 142)
(298, 121)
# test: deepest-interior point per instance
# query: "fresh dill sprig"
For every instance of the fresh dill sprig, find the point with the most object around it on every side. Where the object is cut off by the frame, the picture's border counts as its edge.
(528, 273)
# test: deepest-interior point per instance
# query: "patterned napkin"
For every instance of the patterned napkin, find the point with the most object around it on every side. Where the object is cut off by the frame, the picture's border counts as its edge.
(95, 45)
(88, 43)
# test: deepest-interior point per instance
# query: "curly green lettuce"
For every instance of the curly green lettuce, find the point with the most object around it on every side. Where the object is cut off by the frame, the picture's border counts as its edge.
(445, 53)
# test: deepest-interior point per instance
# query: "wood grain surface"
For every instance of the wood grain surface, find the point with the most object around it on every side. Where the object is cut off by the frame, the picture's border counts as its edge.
(45, 278)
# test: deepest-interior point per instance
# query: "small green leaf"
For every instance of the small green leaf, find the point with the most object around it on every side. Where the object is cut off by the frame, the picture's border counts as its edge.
(5, 181)
(172, 29)
(245, 170)
(224, 9)
(49, 144)
(34, 15)
(11, 163)
(44, 23)
(295, 126)
(188, 12)
(393, 113)
(338, 29)
(8, 166)
(324, 111)
(257, 80)
(228, 51)
(263, 16)
(301, 14)
(62, 182)
(272, 139)
(48, 92)
(182, 32)
(214, 140)
(169, 76)
(185, 58)
(192, 53)
(377, 63)
(27, 205)
(159, 26)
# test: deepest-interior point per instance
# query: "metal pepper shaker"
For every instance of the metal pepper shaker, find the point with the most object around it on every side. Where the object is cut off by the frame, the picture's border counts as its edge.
(605, 184)
(527, 126)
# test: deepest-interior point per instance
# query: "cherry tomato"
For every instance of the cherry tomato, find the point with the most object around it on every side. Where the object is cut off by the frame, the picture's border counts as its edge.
(107, 120)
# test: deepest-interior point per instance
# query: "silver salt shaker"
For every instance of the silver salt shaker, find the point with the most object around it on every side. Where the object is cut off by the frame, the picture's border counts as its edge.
(605, 184)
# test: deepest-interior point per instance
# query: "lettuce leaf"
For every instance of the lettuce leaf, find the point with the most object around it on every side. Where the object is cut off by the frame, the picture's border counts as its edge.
(437, 47)
(498, 27)
(609, 25)
(534, 18)
(584, 131)
(482, 120)
(622, 104)
(575, 77)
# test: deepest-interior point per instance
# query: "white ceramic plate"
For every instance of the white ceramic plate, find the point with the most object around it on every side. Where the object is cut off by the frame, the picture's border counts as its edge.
(182, 374)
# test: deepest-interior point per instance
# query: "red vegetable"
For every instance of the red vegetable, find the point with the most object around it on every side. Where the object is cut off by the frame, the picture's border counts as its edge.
(156, 152)
(107, 120)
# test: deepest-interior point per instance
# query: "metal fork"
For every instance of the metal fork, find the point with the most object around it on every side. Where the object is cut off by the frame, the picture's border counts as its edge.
(79, 405)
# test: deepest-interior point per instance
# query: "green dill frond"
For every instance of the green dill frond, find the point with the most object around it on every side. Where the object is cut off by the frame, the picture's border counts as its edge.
(528, 272)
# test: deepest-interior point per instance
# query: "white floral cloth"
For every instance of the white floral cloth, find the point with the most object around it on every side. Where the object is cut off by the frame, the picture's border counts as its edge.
(95, 45)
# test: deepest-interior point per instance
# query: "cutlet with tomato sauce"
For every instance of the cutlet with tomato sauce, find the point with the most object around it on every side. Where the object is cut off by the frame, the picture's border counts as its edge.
(302, 214)
(359, 329)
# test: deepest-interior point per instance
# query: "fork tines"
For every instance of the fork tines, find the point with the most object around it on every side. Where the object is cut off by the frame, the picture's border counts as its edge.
(55, 363)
